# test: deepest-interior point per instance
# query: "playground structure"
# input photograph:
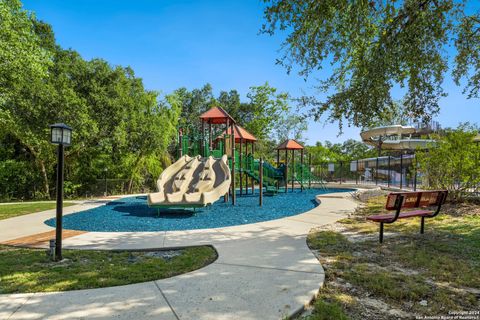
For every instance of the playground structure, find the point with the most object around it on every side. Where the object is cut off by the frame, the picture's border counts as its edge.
(220, 137)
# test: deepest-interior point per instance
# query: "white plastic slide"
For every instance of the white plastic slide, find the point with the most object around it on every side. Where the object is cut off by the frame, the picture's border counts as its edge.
(389, 141)
(192, 182)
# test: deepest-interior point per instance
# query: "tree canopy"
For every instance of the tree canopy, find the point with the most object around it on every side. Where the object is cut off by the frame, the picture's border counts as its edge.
(118, 125)
(374, 47)
(453, 163)
(121, 130)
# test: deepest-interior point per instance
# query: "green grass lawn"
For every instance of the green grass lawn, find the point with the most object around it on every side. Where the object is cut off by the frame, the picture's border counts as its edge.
(18, 209)
(30, 270)
(426, 275)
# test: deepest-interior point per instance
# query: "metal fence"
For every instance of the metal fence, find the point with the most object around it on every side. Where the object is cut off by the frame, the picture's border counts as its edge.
(391, 171)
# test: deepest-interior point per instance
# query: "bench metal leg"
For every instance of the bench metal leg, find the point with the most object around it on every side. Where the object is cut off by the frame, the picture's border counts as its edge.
(422, 225)
(381, 232)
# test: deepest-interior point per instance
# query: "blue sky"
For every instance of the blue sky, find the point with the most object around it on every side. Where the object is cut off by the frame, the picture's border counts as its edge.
(171, 44)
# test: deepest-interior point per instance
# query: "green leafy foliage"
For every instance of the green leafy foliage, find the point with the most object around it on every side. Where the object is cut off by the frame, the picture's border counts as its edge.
(118, 125)
(335, 152)
(375, 47)
(453, 163)
(266, 108)
(22, 57)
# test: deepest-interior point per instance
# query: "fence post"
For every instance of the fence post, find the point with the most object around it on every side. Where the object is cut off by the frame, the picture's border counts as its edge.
(341, 169)
(309, 171)
(415, 173)
(389, 172)
(401, 170)
(376, 173)
(356, 176)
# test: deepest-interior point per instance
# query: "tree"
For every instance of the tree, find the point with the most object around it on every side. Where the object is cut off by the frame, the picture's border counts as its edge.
(453, 163)
(354, 150)
(194, 103)
(334, 152)
(290, 126)
(22, 57)
(265, 108)
(230, 101)
(374, 46)
(117, 123)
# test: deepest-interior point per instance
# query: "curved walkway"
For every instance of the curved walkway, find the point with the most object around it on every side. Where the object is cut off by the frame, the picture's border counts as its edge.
(264, 271)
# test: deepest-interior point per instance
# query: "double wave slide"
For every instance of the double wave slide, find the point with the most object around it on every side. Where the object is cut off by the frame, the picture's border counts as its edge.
(192, 182)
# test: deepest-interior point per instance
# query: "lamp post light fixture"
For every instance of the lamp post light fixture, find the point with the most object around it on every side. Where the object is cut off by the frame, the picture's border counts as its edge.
(61, 135)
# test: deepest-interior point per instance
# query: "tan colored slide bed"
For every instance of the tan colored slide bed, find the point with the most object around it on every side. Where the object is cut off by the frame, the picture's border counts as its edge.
(192, 182)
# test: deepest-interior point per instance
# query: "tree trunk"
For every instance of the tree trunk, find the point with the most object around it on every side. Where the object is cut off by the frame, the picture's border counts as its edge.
(130, 182)
(43, 170)
(45, 178)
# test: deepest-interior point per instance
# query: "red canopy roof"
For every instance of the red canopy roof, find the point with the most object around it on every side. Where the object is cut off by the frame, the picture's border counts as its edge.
(240, 133)
(216, 115)
(290, 144)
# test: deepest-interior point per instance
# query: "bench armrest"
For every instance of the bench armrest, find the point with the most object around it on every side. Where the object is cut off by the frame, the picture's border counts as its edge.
(441, 201)
(398, 208)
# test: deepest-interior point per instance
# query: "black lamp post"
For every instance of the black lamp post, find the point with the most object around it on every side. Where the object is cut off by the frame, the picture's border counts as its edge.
(61, 135)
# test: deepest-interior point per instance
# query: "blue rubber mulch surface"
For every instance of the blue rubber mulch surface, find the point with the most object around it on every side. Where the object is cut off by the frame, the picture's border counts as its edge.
(133, 213)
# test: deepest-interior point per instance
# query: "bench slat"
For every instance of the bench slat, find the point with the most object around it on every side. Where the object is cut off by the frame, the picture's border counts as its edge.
(414, 199)
(408, 214)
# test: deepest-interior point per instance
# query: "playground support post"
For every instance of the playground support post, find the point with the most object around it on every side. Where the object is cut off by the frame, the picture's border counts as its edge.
(278, 166)
(233, 163)
(286, 171)
(253, 181)
(260, 173)
(246, 167)
(293, 168)
(241, 166)
(180, 143)
(202, 152)
(301, 170)
(225, 197)
(210, 138)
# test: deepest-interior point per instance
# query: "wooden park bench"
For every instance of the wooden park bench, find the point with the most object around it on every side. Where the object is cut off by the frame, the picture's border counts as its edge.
(411, 200)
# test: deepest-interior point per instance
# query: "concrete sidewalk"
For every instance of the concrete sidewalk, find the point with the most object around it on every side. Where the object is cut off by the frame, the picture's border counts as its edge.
(264, 271)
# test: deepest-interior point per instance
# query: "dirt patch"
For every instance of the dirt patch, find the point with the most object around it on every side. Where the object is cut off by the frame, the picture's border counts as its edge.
(409, 275)
(461, 209)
